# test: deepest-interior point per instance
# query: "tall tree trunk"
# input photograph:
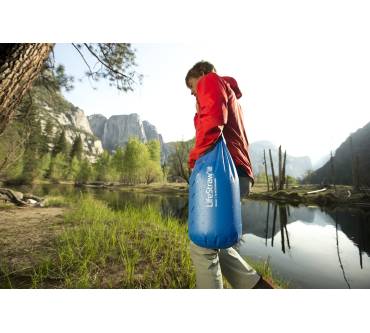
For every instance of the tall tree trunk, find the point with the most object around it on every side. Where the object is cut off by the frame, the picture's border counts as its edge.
(332, 170)
(20, 64)
(283, 177)
(273, 172)
(280, 169)
(267, 177)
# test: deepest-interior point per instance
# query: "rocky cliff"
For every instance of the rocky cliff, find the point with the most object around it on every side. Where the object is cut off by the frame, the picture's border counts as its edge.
(117, 130)
(54, 108)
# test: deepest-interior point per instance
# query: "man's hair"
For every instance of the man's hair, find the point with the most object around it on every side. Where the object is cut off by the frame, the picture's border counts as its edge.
(199, 69)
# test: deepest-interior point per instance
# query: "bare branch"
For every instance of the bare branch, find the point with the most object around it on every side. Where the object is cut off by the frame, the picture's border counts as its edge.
(83, 58)
(106, 65)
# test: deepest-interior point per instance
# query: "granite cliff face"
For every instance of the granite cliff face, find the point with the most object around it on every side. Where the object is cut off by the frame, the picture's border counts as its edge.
(61, 114)
(75, 123)
(97, 123)
(117, 130)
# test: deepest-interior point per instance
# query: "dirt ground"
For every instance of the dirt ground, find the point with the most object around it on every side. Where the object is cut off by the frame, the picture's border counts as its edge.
(26, 233)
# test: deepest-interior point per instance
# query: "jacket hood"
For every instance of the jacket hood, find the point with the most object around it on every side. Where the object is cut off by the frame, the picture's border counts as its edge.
(233, 85)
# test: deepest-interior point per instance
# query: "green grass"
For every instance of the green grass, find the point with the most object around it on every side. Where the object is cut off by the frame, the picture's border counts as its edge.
(263, 268)
(57, 201)
(131, 248)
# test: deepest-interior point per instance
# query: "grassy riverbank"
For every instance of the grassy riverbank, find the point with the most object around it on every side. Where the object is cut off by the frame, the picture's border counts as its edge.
(82, 243)
(263, 268)
(102, 248)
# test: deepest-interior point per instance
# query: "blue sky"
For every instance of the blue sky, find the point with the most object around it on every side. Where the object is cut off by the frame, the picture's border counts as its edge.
(305, 82)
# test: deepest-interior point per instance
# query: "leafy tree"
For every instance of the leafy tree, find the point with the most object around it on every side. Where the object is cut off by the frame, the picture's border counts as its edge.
(178, 160)
(103, 167)
(152, 172)
(154, 149)
(118, 162)
(136, 157)
(165, 171)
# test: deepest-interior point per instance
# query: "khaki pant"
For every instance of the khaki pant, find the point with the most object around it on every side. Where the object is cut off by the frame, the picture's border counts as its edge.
(211, 264)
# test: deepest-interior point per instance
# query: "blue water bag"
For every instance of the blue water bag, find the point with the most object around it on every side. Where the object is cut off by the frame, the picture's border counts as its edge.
(214, 200)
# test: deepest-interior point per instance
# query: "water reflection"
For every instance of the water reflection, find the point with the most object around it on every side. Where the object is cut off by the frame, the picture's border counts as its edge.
(311, 240)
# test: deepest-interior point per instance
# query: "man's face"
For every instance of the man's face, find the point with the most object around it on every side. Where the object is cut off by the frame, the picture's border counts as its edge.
(193, 85)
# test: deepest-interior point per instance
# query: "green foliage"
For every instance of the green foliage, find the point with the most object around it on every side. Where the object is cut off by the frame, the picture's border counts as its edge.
(154, 149)
(165, 171)
(178, 160)
(12, 146)
(77, 149)
(85, 173)
(118, 162)
(103, 167)
(57, 201)
(45, 165)
(114, 62)
(152, 172)
(61, 145)
(136, 156)
(31, 167)
(131, 248)
(74, 168)
(291, 181)
(59, 167)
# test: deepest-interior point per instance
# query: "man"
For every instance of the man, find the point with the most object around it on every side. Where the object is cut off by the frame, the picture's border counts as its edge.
(218, 111)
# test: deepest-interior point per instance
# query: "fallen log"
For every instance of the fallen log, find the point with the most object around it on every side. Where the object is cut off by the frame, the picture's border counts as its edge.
(20, 199)
(317, 191)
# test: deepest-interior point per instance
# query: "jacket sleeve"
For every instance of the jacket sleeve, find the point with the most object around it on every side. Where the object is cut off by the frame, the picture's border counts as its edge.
(212, 101)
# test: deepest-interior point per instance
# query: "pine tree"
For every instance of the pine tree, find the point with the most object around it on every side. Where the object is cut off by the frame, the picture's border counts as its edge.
(60, 145)
(77, 149)
(46, 137)
(32, 155)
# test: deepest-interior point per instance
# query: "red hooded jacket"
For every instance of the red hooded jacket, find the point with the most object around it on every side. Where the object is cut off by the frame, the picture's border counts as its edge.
(218, 105)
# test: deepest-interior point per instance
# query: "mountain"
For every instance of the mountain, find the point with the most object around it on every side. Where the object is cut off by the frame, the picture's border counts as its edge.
(53, 108)
(116, 131)
(319, 163)
(295, 166)
(343, 160)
